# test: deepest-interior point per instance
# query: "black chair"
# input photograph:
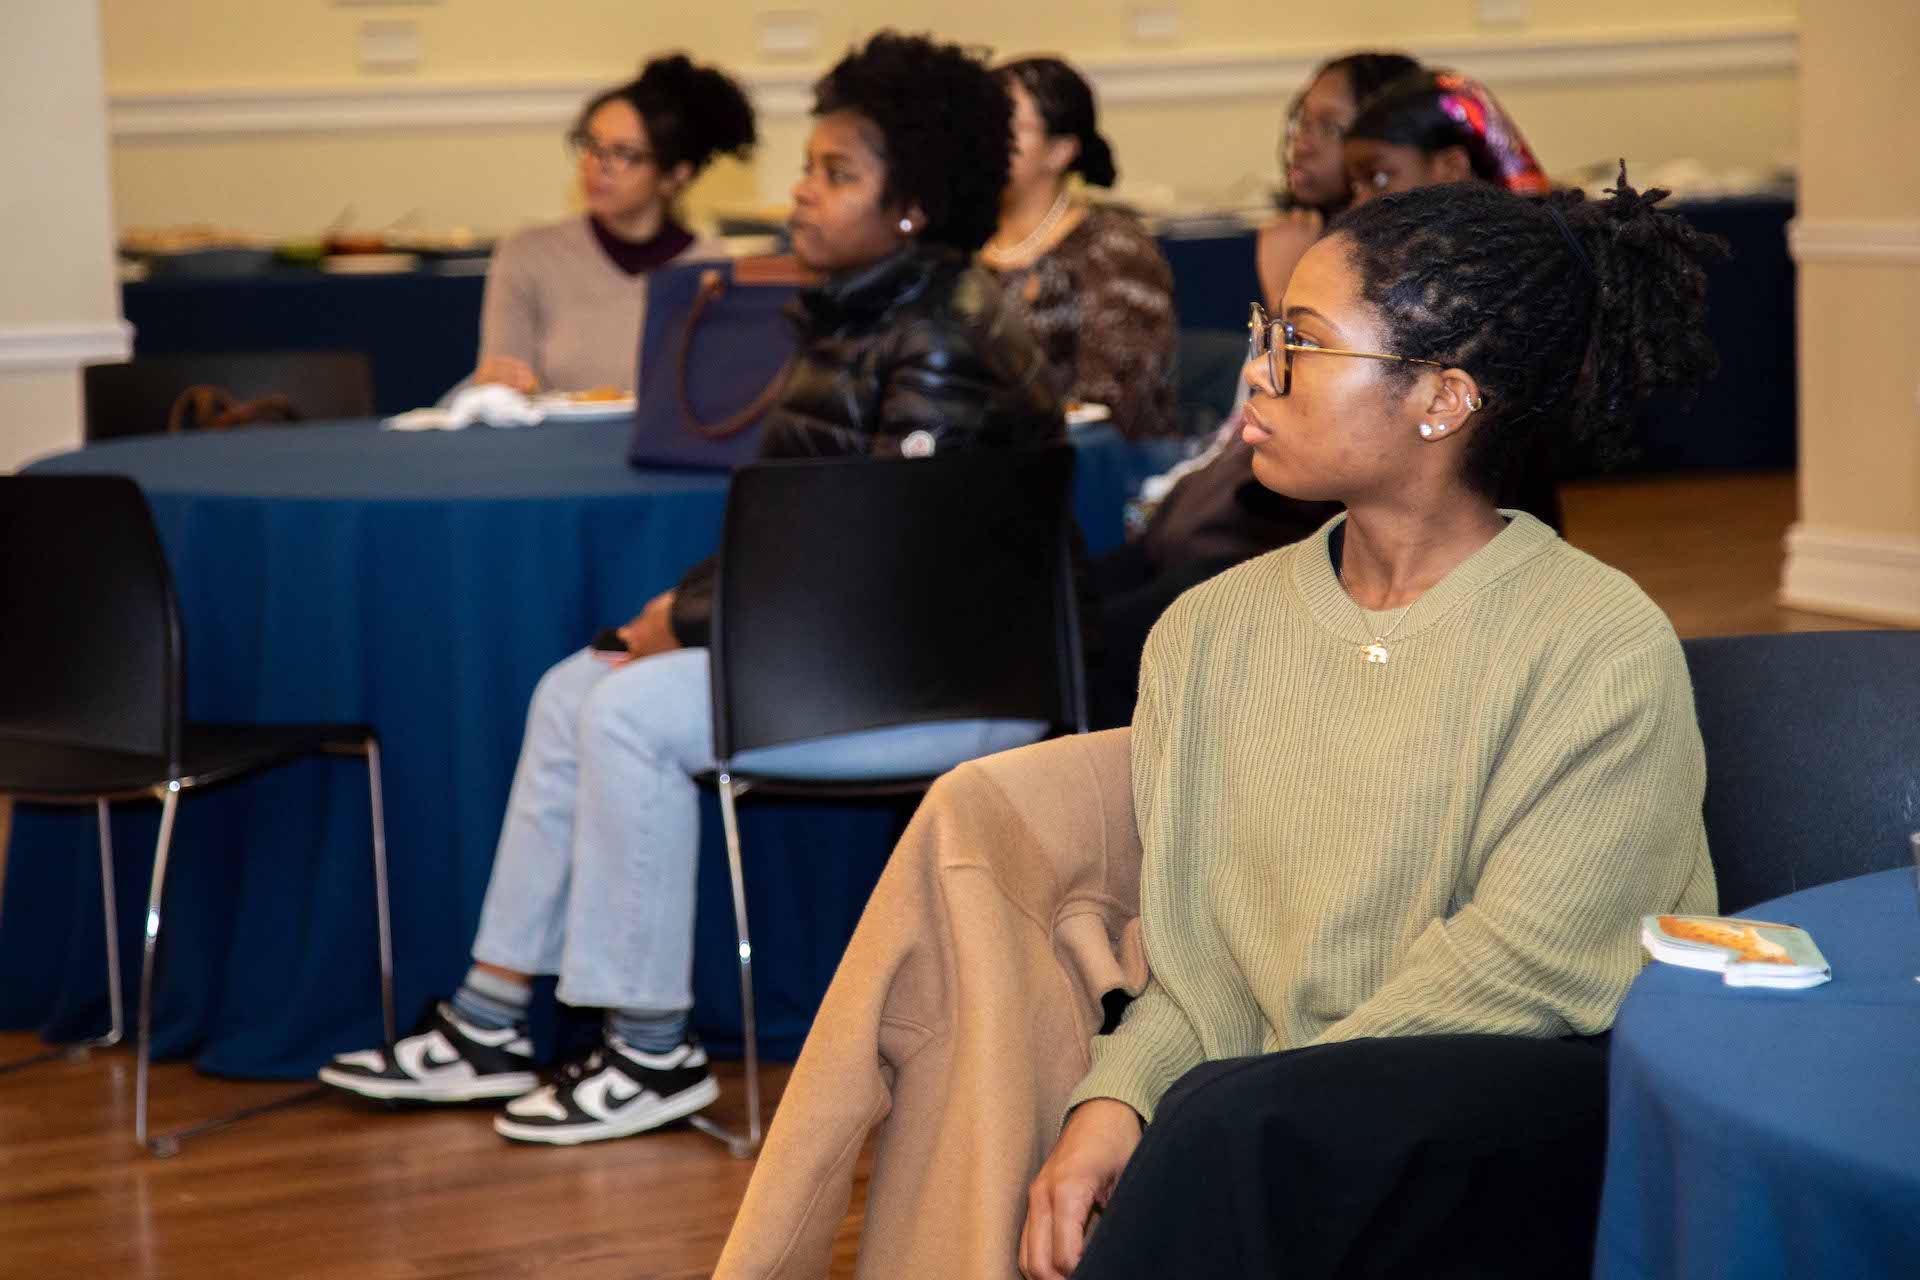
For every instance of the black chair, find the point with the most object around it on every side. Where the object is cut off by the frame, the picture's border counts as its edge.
(1813, 757)
(1211, 362)
(857, 595)
(134, 398)
(91, 693)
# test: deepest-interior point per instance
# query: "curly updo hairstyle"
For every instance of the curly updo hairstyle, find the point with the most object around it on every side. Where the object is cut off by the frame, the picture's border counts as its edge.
(691, 113)
(1065, 102)
(941, 123)
(1569, 313)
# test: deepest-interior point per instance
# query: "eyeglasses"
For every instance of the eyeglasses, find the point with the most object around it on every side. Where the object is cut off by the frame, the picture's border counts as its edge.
(1267, 336)
(612, 158)
(1300, 124)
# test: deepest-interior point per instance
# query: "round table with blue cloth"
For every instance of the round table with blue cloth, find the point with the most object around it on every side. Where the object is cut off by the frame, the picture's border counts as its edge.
(1756, 1133)
(419, 582)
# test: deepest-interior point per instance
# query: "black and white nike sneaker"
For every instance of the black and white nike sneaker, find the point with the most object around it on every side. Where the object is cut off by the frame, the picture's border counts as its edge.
(613, 1092)
(446, 1059)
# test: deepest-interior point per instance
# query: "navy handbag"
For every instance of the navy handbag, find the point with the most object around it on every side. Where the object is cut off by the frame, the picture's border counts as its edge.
(713, 354)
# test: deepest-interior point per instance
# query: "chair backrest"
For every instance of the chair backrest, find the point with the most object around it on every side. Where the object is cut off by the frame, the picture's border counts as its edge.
(1813, 756)
(90, 651)
(132, 399)
(1211, 362)
(860, 593)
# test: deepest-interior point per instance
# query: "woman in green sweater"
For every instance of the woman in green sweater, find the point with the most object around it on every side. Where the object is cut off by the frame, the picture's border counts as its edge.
(1406, 788)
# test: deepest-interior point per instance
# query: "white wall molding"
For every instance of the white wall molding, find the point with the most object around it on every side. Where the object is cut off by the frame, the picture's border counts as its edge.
(66, 346)
(1881, 241)
(1862, 575)
(1181, 76)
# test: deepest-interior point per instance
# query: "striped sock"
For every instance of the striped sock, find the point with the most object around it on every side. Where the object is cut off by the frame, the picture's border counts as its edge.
(490, 1001)
(649, 1030)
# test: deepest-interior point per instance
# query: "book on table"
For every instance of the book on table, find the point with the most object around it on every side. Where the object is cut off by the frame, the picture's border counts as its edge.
(1745, 953)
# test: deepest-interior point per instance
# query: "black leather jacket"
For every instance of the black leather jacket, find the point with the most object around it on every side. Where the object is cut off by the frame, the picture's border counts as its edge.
(916, 353)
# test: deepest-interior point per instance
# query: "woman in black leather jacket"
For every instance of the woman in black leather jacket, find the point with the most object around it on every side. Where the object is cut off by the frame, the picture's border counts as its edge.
(905, 349)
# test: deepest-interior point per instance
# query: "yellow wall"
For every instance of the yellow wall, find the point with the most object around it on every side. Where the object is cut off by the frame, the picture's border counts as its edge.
(189, 43)
(1856, 549)
(494, 177)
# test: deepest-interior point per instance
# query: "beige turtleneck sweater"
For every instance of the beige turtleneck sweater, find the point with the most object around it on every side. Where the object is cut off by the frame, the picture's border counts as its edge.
(556, 300)
(1461, 839)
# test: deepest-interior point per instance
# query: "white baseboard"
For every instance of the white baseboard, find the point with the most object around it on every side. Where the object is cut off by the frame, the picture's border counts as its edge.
(785, 92)
(1856, 575)
(29, 347)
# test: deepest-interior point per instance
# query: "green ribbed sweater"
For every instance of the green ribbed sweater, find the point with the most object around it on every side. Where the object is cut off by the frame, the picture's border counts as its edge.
(1461, 839)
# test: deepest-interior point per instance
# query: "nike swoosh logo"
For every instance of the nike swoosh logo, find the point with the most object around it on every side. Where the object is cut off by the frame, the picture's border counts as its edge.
(432, 1056)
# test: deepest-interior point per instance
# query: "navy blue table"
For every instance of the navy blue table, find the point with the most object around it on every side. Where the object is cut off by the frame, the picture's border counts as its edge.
(1759, 1134)
(421, 583)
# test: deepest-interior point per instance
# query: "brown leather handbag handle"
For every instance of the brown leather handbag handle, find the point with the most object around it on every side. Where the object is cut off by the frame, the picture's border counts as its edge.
(209, 408)
(713, 286)
(196, 407)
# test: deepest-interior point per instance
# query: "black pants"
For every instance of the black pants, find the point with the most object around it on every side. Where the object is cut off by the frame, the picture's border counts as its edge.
(1427, 1156)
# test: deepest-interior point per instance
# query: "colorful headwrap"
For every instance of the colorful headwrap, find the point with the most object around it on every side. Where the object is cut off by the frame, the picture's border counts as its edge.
(1469, 104)
(1433, 110)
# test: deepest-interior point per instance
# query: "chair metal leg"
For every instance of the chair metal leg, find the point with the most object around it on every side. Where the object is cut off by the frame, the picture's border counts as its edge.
(740, 1146)
(169, 805)
(381, 908)
(110, 915)
(168, 1144)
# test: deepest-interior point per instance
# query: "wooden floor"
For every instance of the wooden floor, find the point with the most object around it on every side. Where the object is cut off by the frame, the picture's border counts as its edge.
(326, 1189)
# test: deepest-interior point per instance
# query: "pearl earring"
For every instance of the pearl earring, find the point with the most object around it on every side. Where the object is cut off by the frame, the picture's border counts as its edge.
(1426, 431)
(906, 226)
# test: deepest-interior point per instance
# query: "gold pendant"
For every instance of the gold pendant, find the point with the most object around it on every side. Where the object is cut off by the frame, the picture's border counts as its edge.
(1376, 652)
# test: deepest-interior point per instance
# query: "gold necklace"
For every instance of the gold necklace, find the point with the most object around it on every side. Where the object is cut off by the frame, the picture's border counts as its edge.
(1011, 258)
(1375, 650)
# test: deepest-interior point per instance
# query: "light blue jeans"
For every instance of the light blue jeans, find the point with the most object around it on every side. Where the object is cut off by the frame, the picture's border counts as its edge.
(594, 876)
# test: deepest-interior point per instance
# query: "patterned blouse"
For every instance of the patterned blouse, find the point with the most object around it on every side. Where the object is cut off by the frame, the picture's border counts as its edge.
(1101, 306)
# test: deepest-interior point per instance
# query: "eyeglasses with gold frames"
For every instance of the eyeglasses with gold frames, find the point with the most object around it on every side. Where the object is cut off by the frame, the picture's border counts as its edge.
(1268, 336)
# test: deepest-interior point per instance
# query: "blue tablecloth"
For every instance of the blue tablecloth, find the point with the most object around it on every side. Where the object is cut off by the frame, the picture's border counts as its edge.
(1759, 1134)
(421, 583)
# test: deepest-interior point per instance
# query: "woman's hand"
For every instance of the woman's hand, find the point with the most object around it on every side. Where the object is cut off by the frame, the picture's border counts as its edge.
(1282, 243)
(652, 631)
(510, 371)
(1079, 1176)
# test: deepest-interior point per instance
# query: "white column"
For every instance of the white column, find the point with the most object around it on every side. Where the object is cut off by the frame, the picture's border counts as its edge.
(1856, 549)
(59, 303)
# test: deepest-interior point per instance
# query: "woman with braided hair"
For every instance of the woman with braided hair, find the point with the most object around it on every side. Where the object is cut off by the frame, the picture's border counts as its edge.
(1419, 128)
(1404, 789)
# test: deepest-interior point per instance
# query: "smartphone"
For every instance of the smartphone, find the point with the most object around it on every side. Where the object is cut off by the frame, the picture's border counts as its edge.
(607, 642)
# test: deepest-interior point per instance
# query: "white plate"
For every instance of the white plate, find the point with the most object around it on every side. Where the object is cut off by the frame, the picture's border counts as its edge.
(558, 408)
(369, 264)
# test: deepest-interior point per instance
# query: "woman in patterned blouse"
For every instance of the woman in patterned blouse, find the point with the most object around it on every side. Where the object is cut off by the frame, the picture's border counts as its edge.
(1097, 292)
